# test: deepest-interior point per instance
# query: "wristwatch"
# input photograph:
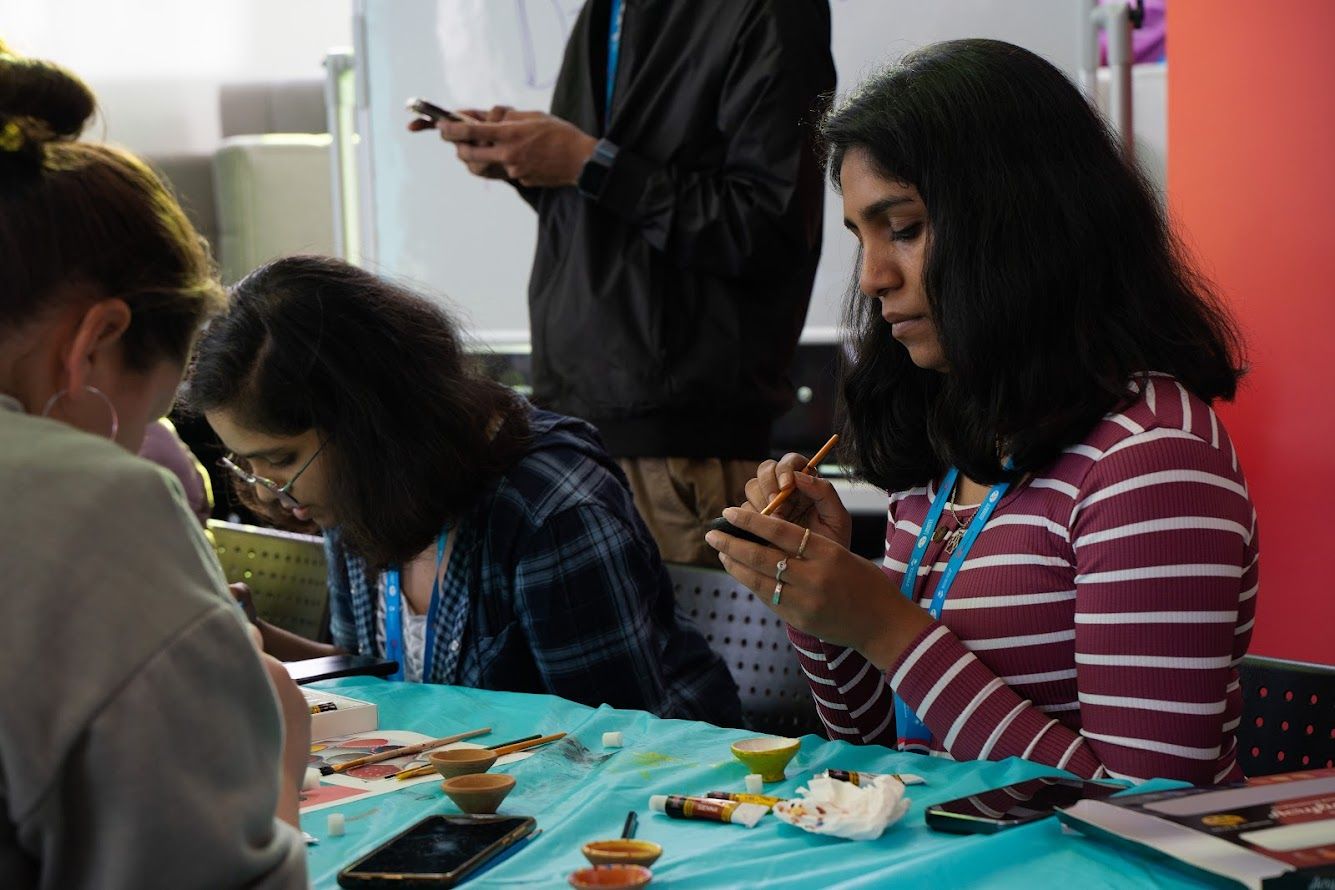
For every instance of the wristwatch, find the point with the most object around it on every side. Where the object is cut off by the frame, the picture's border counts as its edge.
(593, 178)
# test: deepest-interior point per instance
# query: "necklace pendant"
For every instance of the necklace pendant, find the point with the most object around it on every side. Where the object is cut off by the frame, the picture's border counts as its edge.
(953, 539)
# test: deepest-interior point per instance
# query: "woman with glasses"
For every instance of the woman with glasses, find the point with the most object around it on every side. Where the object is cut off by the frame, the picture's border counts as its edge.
(124, 663)
(476, 540)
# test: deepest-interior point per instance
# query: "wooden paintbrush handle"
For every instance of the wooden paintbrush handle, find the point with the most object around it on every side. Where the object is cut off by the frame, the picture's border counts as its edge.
(524, 746)
(811, 465)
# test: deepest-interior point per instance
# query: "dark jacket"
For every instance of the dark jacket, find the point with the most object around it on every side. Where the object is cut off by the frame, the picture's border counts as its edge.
(667, 311)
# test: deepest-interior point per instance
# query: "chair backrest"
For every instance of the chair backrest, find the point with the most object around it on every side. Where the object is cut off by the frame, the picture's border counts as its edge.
(774, 692)
(1288, 716)
(285, 571)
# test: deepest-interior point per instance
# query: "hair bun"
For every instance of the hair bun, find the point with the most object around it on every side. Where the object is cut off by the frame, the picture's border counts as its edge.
(39, 102)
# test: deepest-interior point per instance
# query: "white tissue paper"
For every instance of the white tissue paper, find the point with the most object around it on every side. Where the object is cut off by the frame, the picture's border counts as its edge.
(840, 809)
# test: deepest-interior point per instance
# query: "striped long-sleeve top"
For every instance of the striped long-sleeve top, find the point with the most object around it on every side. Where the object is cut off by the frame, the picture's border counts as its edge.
(1098, 620)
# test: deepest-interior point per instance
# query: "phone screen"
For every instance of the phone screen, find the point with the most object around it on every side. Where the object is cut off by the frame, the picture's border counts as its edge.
(438, 845)
(1015, 804)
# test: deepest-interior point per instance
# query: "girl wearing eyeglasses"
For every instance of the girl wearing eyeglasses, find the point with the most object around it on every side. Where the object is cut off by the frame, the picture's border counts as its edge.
(471, 537)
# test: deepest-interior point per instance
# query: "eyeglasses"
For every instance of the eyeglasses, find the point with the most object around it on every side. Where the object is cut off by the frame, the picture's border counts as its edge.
(282, 492)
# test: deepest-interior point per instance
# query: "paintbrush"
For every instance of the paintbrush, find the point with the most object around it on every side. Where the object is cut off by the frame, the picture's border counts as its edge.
(501, 751)
(723, 525)
(402, 751)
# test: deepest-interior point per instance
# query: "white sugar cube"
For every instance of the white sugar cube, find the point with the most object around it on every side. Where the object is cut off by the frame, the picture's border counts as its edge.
(311, 780)
(754, 784)
(336, 825)
(612, 740)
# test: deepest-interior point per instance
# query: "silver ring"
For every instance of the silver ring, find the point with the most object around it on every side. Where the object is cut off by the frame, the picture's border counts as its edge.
(780, 569)
(778, 593)
(802, 548)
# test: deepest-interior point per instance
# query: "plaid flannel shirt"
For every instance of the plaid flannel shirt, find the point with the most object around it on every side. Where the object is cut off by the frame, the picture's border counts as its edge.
(565, 592)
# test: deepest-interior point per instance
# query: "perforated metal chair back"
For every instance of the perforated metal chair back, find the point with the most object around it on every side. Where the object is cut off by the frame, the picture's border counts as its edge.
(1288, 716)
(775, 697)
(285, 571)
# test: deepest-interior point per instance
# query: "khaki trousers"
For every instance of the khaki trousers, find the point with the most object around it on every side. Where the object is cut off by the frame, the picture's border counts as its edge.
(676, 496)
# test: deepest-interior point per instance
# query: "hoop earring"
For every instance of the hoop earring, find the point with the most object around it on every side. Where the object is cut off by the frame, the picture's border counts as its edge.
(115, 418)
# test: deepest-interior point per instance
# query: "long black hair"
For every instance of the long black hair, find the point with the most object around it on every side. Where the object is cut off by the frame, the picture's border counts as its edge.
(1050, 270)
(315, 343)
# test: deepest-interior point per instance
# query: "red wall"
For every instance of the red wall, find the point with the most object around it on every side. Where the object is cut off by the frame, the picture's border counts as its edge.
(1251, 183)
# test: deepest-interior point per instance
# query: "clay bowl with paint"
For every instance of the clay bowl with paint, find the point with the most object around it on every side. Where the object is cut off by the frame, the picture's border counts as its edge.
(480, 792)
(767, 756)
(623, 851)
(607, 877)
(462, 761)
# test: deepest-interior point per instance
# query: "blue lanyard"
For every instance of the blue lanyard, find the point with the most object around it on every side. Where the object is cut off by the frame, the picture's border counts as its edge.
(613, 53)
(909, 728)
(394, 614)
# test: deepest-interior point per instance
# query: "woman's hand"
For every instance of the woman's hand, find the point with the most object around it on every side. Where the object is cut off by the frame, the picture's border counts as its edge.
(813, 505)
(829, 593)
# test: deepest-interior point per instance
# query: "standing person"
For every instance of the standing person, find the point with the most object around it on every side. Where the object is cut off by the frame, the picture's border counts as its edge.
(679, 204)
(474, 539)
(141, 744)
(1071, 560)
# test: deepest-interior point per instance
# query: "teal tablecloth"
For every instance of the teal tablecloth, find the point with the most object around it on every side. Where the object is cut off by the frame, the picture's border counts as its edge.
(578, 797)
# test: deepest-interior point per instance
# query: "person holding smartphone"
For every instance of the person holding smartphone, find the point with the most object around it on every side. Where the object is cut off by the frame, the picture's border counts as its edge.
(144, 741)
(674, 199)
(1071, 560)
(472, 538)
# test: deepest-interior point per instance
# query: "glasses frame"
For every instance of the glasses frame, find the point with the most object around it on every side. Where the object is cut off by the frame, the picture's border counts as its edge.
(282, 492)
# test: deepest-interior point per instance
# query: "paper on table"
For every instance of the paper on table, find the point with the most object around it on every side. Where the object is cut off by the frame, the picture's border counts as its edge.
(841, 809)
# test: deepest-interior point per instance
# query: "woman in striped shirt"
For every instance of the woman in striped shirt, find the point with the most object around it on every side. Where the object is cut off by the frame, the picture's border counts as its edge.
(1030, 340)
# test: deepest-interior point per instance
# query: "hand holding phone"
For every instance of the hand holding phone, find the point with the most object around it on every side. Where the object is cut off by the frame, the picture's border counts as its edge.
(434, 112)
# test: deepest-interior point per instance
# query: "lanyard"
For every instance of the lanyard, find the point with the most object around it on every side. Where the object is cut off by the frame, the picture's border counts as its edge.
(394, 614)
(613, 53)
(910, 729)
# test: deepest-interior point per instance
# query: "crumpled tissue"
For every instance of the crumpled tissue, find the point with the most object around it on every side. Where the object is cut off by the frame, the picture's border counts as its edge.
(841, 809)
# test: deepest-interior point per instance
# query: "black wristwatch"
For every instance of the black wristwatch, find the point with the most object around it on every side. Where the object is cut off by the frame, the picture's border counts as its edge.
(593, 178)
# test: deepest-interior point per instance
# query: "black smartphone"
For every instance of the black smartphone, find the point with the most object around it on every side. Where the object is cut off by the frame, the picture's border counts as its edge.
(431, 110)
(1000, 808)
(330, 666)
(439, 851)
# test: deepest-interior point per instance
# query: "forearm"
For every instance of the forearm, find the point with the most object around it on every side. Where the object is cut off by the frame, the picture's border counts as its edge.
(852, 697)
(287, 646)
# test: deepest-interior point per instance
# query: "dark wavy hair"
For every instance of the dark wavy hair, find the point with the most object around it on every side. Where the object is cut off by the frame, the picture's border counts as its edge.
(1051, 273)
(315, 343)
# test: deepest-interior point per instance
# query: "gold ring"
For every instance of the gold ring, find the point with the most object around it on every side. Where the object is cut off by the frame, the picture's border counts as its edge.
(802, 548)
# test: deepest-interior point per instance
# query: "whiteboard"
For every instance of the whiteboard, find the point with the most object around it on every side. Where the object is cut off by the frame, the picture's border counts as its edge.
(469, 242)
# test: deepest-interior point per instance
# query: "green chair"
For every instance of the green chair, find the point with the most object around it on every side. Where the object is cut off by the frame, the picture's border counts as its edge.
(285, 572)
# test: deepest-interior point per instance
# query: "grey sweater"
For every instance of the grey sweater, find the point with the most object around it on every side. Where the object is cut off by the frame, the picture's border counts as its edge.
(139, 735)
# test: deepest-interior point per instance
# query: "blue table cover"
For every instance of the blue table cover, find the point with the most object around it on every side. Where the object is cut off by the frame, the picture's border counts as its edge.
(583, 794)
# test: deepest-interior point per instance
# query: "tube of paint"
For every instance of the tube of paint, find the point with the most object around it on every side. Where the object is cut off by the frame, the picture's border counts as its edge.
(763, 800)
(855, 778)
(679, 806)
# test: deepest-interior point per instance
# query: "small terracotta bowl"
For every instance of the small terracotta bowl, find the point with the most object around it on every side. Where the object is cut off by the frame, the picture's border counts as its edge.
(606, 877)
(628, 851)
(462, 761)
(767, 756)
(480, 792)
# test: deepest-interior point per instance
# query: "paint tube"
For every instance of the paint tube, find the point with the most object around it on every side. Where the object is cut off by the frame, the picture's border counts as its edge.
(855, 778)
(680, 806)
(763, 800)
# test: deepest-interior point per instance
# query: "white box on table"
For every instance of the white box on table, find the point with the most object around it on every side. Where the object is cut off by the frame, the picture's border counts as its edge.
(334, 715)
